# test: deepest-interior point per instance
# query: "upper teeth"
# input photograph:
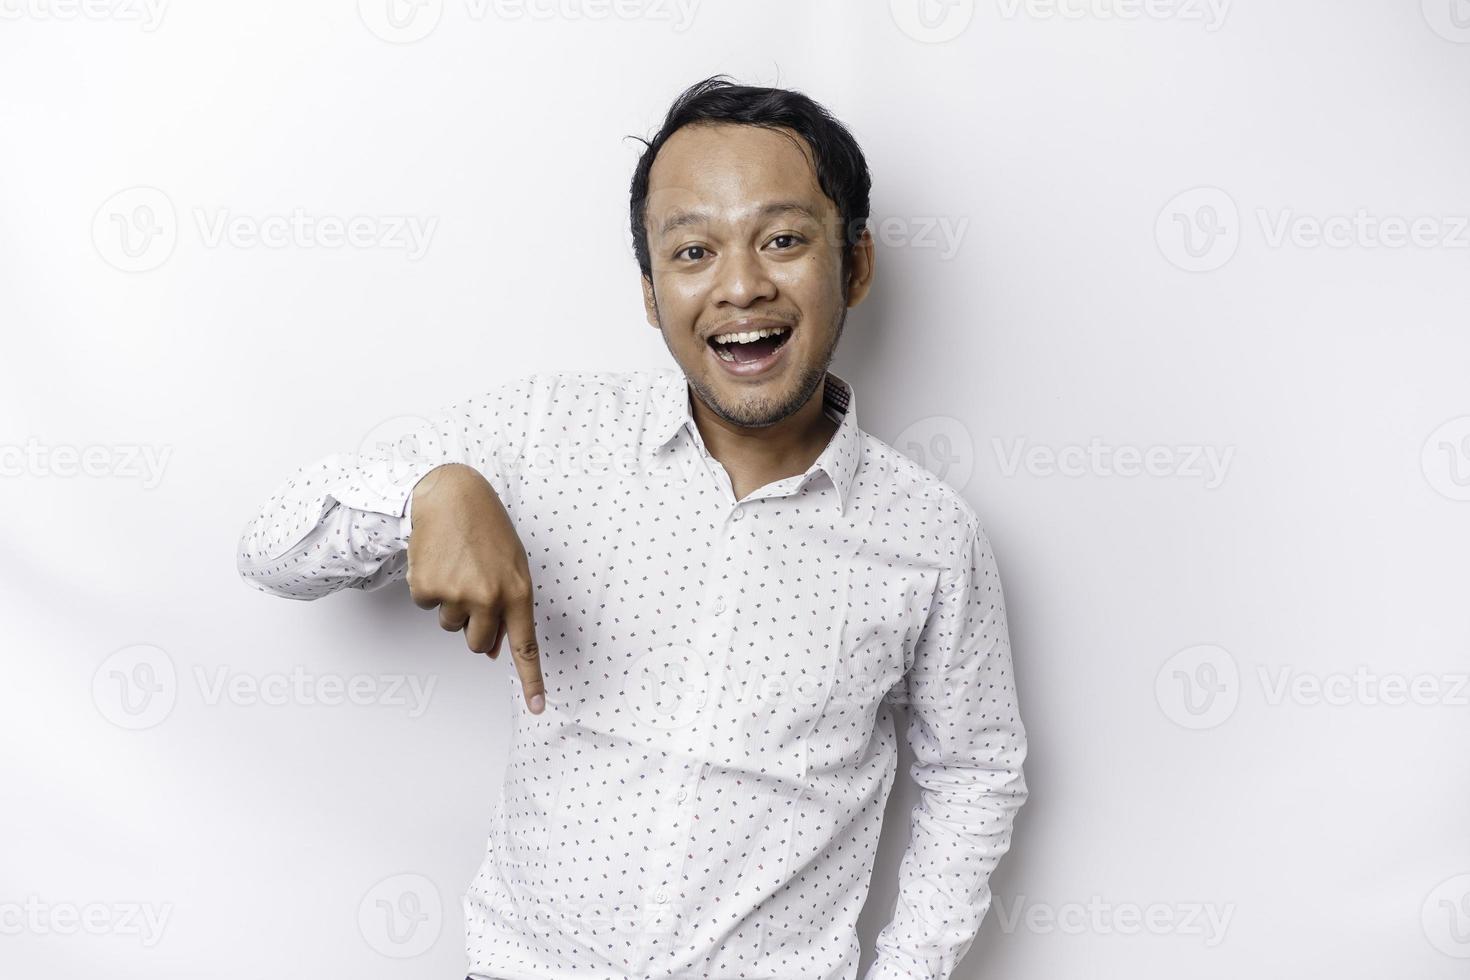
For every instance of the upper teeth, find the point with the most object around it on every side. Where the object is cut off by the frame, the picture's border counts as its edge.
(749, 335)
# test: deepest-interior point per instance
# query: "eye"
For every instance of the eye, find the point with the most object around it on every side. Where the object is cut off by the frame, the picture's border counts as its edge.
(793, 238)
(691, 248)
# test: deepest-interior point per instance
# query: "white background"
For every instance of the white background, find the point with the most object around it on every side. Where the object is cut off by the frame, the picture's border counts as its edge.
(1080, 307)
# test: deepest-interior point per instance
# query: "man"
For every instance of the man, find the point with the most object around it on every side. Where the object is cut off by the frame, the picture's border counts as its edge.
(714, 586)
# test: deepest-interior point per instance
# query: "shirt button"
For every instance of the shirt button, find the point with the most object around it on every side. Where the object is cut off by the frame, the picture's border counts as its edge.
(660, 896)
(681, 796)
(737, 515)
(720, 606)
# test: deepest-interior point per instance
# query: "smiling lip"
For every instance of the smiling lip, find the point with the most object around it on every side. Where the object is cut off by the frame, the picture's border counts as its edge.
(758, 366)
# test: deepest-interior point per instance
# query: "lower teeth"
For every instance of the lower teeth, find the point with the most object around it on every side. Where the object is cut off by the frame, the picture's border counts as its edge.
(725, 354)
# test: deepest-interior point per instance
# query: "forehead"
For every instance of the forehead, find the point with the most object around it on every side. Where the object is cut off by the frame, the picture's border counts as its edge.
(730, 171)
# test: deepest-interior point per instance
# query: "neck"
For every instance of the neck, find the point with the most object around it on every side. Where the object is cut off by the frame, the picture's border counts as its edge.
(756, 456)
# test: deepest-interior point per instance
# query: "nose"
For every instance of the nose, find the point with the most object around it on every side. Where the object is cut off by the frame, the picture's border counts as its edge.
(743, 280)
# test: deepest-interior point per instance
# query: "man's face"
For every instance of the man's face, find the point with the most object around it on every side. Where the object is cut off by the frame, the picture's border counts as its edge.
(743, 240)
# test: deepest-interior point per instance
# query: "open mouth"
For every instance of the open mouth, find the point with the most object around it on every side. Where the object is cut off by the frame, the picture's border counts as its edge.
(749, 347)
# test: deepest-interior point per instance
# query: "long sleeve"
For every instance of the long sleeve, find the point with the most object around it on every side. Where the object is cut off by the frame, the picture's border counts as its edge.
(969, 744)
(344, 520)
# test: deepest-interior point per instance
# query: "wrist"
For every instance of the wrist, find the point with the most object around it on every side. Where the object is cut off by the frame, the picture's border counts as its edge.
(441, 486)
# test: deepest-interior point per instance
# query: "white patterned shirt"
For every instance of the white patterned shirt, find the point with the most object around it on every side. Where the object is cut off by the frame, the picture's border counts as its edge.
(703, 794)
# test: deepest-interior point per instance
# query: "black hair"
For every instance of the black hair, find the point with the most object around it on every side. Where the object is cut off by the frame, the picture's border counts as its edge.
(842, 171)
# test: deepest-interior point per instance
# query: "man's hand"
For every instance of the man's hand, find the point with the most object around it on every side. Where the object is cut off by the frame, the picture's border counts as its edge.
(465, 557)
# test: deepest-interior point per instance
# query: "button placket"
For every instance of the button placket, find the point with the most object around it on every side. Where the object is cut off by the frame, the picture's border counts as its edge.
(667, 863)
(677, 804)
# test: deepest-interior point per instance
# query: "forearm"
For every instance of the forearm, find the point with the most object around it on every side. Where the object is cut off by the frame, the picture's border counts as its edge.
(333, 525)
(961, 828)
(969, 746)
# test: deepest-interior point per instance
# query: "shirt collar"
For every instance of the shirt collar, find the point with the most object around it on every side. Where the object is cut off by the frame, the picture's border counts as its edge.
(838, 461)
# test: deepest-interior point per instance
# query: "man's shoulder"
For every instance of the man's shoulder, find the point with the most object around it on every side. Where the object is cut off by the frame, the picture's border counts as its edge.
(902, 481)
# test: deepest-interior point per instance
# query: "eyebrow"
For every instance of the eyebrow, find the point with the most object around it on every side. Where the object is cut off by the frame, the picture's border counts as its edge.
(680, 219)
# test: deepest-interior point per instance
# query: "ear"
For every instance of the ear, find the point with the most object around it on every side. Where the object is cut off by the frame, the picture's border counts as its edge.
(860, 276)
(650, 307)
